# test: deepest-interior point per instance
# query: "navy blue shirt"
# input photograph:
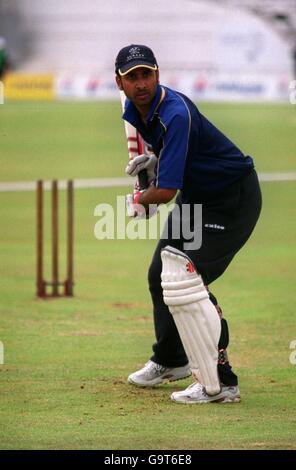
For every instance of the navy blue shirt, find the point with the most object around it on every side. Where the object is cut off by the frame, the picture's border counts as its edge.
(193, 155)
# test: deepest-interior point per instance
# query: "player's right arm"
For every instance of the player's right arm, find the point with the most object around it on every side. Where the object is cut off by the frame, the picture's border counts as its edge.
(172, 158)
(156, 196)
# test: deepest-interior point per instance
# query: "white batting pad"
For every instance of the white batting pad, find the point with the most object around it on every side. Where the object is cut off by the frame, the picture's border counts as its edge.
(196, 318)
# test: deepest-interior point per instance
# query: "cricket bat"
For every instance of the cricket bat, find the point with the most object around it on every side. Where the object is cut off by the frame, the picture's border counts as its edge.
(135, 144)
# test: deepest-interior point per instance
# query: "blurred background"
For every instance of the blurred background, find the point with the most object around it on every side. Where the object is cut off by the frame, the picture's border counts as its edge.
(210, 50)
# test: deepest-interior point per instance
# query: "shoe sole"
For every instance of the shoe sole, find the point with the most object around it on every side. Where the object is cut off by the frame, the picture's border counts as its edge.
(167, 379)
(230, 400)
(222, 401)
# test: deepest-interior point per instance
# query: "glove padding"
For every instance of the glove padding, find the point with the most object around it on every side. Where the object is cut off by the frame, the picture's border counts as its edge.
(142, 162)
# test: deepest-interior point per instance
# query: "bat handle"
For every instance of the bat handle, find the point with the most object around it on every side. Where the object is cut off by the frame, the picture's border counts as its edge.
(143, 179)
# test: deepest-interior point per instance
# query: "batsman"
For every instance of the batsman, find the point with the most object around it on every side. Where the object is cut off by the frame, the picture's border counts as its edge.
(198, 164)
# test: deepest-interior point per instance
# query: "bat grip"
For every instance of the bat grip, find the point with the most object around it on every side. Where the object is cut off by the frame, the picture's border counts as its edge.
(143, 179)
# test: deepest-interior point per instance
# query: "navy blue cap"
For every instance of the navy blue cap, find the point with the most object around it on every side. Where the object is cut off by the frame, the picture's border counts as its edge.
(133, 56)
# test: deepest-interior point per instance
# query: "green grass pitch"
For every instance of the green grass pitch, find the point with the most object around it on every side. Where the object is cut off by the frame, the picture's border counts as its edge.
(63, 381)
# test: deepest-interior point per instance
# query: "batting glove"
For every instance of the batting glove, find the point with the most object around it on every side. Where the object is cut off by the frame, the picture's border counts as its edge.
(142, 162)
(134, 209)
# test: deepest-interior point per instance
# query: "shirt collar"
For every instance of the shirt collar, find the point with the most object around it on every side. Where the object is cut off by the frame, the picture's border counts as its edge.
(158, 98)
(131, 114)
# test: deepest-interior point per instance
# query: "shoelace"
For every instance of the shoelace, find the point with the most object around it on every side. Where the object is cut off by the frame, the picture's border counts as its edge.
(152, 365)
(196, 385)
(198, 388)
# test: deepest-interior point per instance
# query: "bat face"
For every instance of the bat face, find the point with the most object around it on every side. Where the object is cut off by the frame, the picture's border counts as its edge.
(135, 144)
(134, 140)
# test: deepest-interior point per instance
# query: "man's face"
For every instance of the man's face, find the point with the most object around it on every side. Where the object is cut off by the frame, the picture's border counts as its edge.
(139, 85)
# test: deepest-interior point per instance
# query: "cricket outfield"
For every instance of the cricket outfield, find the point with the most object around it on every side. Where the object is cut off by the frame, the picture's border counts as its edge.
(63, 380)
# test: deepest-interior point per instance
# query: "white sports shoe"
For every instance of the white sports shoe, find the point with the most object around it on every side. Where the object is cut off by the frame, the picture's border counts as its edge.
(153, 374)
(196, 393)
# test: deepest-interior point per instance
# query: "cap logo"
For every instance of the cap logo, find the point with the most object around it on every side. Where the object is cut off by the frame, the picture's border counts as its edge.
(135, 53)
